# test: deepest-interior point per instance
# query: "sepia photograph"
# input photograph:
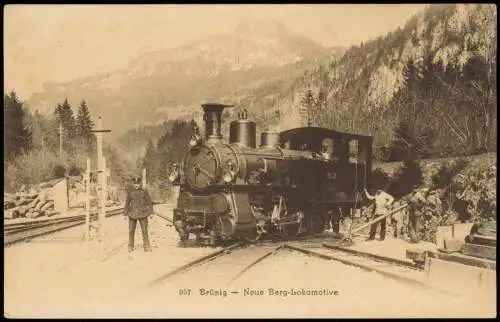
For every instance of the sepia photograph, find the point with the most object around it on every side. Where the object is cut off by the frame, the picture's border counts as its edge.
(250, 161)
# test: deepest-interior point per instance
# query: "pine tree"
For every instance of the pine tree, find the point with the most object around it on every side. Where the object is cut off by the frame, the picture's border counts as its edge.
(429, 78)
(148, 161)
(308, 103)
(17, 138)
(194, 127)
(177, 128)
(64, 118)
(411, 81)
(68, 120)
(40, 128)
(84, 123)
(322, 99)
(56, 125)
(406, 179)
(138, 163)
(58, 112)
(404, 145)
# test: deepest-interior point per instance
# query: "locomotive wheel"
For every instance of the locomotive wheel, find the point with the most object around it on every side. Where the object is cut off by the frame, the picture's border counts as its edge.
(251, 236)
(290, 231)
(316, 223)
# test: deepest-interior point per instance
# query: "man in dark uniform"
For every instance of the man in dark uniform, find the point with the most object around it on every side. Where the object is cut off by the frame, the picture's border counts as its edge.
(415, 211)
(138, 207)
(335, 219)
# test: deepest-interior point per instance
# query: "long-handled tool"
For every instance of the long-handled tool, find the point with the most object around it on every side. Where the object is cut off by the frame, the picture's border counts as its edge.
(157, 202)
(164, 217)
(363, 226)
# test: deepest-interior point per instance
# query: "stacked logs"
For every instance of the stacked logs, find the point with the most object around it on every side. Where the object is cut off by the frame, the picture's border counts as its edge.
(39, 201)
(27, 205)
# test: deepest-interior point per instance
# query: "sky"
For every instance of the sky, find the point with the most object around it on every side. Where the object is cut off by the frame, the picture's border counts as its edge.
(57, 43)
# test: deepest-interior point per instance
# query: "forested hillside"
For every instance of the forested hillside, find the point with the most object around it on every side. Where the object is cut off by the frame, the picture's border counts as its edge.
(429, 87)
(160, 154)
(425, 90)
(35, 151)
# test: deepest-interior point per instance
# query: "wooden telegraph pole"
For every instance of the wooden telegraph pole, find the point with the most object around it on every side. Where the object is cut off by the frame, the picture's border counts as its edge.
(102, 208)
(60, 140)
(101, 164)
(87, 204)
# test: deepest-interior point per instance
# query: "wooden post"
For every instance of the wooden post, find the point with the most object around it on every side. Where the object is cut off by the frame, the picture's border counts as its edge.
(144, 182)
(352, 220)
(87, 204)
(101, 175)
(102, 209)
(100, 170)
(60, 141)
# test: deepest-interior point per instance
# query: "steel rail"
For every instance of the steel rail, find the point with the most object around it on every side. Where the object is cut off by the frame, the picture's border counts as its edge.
(49, 220)
(376, 257)
(196, 262)
(255, 262)
(35, 222)
(368, 268)
(359, 265)
(17, 236)
(32, 225)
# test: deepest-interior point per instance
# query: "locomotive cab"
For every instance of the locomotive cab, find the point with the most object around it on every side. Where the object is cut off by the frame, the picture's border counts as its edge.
(342, 168)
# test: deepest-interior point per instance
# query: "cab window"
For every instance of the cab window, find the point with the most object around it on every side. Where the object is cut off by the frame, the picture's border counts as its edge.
(327, 149)
(353, 151)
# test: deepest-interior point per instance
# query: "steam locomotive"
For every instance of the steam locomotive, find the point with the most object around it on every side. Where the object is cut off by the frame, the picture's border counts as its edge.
(289, 185)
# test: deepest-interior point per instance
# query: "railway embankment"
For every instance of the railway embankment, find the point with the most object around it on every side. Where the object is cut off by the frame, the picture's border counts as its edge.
(458, 205)
(452, 190)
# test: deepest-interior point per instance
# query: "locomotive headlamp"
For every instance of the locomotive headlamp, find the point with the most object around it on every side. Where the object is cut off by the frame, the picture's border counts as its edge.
(229, 176)
(195, 140)
(230, 173)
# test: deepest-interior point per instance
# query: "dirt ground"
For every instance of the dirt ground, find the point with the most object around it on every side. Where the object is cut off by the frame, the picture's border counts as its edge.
(62, 276)
(283, 286)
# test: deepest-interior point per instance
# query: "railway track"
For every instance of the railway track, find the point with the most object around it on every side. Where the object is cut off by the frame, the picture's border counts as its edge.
(389, 267)
(270, 246)
(213, 268)
(15, 233)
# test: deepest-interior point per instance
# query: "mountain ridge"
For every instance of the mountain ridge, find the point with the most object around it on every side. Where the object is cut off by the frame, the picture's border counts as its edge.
(359, 92)
(158, 79)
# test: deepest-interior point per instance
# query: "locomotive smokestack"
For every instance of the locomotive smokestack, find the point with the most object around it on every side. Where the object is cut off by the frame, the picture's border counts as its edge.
(212, 115)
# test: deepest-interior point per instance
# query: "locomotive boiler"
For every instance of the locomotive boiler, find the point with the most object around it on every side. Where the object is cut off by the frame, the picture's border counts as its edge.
(288, 185)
